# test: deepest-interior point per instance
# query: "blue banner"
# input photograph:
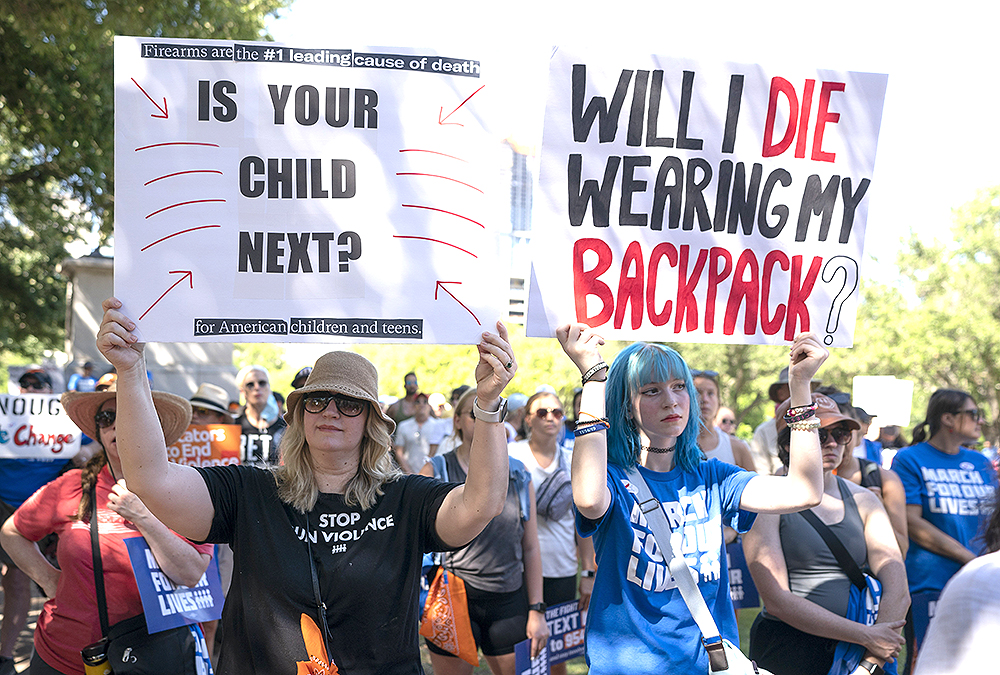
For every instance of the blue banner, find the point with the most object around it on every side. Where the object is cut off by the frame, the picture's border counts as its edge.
(167, 605)
(741, 587)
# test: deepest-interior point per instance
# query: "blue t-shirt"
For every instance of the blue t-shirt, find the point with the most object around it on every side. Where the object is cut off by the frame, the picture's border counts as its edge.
(637, 621)
(949, 490)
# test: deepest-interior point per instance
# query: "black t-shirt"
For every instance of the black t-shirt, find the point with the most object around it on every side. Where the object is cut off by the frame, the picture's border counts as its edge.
(260, 446)
(368, 563)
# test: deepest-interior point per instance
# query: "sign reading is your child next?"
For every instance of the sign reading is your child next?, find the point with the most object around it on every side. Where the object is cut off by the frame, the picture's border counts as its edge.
(696, 201)
(279, 193)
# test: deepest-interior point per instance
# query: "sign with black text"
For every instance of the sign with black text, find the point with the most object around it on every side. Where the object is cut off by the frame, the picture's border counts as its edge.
(277, 193)
(696, 201)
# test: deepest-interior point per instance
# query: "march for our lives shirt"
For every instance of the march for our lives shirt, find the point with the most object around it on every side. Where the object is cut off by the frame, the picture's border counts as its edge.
(637, 621)
(954, 493)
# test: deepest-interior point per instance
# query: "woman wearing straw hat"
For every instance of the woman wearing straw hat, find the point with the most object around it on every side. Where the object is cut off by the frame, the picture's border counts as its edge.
(69, 621)
(328, 546)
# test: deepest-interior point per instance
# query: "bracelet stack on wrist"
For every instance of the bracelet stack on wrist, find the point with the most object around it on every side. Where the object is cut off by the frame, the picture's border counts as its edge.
(590, 426)
(589, 375)
(810, 424)
(800, 413)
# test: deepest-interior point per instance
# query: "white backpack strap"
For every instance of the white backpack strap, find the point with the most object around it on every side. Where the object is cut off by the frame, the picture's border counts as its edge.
(680, 570)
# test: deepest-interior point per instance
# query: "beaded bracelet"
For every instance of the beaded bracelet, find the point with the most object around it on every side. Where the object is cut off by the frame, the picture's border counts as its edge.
(589, 375)
(810, 424)
(591, 428)
(799, 413)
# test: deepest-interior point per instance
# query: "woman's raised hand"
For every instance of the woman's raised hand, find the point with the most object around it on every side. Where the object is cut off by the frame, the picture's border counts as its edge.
(581, 344)
(115, 338)
(806, 356)
(496, 365)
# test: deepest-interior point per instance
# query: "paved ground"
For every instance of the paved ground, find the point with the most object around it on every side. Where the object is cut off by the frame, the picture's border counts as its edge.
(22, 652)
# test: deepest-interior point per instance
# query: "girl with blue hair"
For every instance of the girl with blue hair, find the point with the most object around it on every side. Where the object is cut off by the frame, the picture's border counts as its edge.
(643, 413)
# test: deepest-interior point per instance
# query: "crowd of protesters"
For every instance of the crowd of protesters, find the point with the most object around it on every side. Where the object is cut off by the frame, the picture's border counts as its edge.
(558, 481)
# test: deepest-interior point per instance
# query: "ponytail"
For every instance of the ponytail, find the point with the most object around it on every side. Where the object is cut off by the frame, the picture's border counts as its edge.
(920, 432)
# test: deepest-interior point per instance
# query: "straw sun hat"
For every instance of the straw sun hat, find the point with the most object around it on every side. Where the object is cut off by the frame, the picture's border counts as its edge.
(174, 412)
(341, 373)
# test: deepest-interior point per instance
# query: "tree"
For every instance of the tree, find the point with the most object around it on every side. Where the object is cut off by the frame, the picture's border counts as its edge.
(57, 135)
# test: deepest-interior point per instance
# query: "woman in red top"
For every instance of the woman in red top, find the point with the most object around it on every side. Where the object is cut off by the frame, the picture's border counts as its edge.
(69, 621)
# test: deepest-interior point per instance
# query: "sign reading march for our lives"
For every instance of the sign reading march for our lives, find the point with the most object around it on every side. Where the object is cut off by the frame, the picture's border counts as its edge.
(267, 192)
(696, 201)
(167, 605)
(35, 426)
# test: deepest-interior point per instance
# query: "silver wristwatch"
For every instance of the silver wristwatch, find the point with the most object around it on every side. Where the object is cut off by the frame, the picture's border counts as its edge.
(498, 415)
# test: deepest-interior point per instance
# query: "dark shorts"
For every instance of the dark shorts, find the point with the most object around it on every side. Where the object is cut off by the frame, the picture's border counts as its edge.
(557, 590)
(779, 648)
(499, 620)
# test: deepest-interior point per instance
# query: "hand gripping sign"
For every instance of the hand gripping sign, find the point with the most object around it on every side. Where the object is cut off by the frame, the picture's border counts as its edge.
(702, 202)
(276, 193)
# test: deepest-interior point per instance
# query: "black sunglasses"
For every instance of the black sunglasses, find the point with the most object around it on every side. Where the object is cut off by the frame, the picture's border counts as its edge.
(33, 385)
(253, 385)
(840, 435)
(542, 413)
(346, 406)
(104, 419)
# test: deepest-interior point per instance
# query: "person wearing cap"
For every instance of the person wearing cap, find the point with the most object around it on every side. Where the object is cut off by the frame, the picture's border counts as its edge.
(84, 381)
(639, 420)
(19, 478)
(764, 444)
(300, 377)
(328, 545)
(69, 620)
(805, 590)
(406, 407)
(417, 438)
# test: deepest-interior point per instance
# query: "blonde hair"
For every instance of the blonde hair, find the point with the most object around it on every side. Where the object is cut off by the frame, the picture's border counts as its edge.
(296, 476)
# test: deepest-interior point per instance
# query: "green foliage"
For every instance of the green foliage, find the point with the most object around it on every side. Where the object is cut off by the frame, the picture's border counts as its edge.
(57, 135)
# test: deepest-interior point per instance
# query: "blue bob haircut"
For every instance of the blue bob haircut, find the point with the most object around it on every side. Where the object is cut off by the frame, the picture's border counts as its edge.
(636, 366)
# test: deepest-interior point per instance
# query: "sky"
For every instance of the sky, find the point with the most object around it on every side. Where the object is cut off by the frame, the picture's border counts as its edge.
(939, 137)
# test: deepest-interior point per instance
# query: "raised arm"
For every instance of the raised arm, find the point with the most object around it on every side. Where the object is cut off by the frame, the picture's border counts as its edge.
(589, 472)
(803, 486)
(176, 494)
(468, 508)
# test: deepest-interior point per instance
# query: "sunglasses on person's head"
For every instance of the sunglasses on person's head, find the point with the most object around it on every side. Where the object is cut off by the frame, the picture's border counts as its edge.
(104, 419)
(710, 374)
(542, 413)
(346, 406)
(250, 384)
(839, 434)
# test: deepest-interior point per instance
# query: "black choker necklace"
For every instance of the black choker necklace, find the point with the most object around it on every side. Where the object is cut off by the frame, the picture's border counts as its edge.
(650, 448)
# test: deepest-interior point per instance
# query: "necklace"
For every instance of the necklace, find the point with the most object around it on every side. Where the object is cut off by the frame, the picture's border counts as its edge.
(660, 451)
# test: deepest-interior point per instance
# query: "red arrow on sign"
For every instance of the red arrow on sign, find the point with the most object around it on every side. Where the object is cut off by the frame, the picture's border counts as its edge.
(163, 110)
(187, 275)
(440, 285)
(442, 120)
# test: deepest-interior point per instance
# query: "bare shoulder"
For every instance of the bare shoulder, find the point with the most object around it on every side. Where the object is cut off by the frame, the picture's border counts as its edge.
(866, 500)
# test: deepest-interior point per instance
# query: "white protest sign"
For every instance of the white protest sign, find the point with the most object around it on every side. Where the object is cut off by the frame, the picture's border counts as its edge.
(697, 201)
(884, 396)
(36, 426)
(266, 192)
